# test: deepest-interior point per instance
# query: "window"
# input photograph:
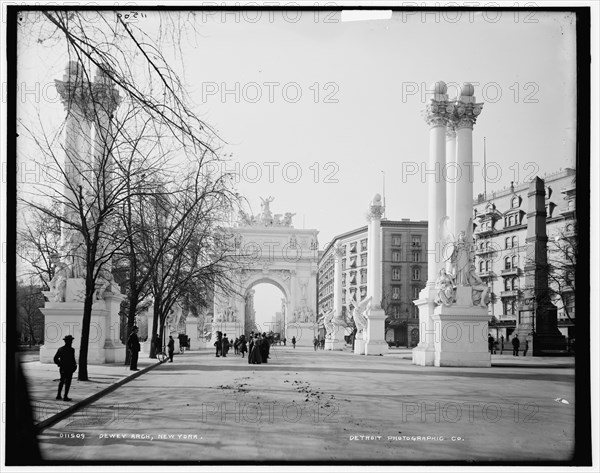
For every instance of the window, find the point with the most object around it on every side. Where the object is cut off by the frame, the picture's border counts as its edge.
(344, 264)
(514, 203)
(416, 291)
(353, 261)
(507, 243)
(396, 292)
(416, 240)
(353, 247)
(363, 260)
(416, 274)
(363, 276)
(343, 279)
(507, 263)
(514, 242)
(515, 284)
(363, 245)
(396, 311)
(353, 277)
(416, 256)
(363, 292)
(515, 261)
(396, 274)
(396, 240)
(507, 284)
(510, 307)
(396, 256)
(481, 266)
(344, 250)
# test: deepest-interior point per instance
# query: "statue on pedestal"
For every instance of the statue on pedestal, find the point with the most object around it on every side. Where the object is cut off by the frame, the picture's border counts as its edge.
(267, 216)
(445, 286)
(479, 289)
(358, 314)
(328, 323)
(58, 284)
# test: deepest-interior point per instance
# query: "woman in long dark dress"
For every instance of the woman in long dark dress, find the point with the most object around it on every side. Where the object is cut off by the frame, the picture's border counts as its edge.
(255, 357)
(264, 348)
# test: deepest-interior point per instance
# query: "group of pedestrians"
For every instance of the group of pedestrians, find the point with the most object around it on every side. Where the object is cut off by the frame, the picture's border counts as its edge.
(319, 343)
(258, 346)
(516, 343)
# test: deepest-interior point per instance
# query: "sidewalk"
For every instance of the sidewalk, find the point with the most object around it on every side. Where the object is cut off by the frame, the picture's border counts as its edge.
(43, 378)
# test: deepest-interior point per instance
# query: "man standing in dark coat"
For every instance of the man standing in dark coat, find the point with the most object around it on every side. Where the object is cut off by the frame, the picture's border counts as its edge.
(171, 348)
(516, 343)
(133, 345)
(65, 359)
(225, 346)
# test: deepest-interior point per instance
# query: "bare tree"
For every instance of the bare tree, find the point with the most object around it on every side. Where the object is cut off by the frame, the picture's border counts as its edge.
(562, 260)
(112, 61)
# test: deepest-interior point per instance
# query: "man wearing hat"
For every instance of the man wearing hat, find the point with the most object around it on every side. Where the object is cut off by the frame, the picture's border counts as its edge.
(133, 344)
(65, 359)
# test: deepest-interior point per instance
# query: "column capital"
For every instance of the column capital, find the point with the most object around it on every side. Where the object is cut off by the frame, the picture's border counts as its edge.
(438, 112)
(376, 209)
(466, 113)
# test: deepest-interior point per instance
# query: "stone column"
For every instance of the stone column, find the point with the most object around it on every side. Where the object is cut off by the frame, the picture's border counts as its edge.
(336, 342)
(375, 343)
(461, 326)
(437, 116)
(466, 113)
(537, 321)
(452, 173)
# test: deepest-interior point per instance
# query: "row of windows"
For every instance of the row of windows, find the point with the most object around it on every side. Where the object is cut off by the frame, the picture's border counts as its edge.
(510, 262)
(396, 291)
(416, 274)
(489, 245)
(397, 256)
(415, 240)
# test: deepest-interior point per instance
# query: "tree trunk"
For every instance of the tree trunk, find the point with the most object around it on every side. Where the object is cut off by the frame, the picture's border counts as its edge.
(133, 302)
(85, 326)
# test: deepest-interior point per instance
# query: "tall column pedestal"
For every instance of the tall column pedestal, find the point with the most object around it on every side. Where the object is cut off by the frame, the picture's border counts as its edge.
(424, 353)
(461, 332)
(359, 346)
(114, 348)
(376, 344)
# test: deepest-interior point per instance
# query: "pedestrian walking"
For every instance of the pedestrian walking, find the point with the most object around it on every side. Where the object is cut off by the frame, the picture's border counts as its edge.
(243, 347)
(491, 344)
(294, 342)
(322, 344)
(316, 343)
(501, 344)
(236, 346)
(516, 343)
(264, 348)
(225, 345)
(182, 342)
(133, 345)
(255, 357)
(218, 344)
(65, 360)
(526, 347)
(284, 341)
(171, 348)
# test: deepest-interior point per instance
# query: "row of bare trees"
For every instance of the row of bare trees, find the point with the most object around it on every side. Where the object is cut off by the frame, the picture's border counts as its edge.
(127, 196)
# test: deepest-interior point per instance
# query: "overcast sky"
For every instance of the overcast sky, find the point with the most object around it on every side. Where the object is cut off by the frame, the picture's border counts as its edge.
(340, 102)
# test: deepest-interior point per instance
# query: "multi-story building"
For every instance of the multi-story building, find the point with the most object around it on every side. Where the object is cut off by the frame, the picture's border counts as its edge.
(404, 274)
(500, 222)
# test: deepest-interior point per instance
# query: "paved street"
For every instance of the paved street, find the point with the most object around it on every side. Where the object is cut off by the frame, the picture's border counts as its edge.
(305, 405)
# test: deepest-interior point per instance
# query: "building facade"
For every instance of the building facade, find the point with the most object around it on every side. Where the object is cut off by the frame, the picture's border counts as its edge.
(404, 274)
(501, 254)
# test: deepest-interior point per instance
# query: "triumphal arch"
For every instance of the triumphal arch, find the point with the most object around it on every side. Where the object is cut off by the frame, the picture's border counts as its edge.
(271, 250)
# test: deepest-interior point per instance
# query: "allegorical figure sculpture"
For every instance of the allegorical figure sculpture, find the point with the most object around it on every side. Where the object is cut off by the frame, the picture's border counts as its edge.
(461, 260)
(328, 323)
(479, 288)
(358, 314)
(58, 284)
(445, 289)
